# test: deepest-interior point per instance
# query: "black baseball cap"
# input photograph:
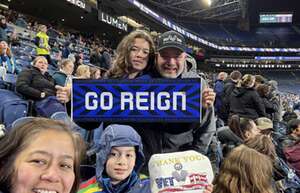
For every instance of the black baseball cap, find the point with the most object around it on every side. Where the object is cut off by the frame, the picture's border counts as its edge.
(171, 39)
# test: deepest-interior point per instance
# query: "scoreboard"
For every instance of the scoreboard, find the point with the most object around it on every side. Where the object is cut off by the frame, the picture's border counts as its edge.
(276, 18)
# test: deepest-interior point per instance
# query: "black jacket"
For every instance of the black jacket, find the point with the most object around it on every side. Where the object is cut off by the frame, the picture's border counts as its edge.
(229, 86)
(31, 82)
(246, 103)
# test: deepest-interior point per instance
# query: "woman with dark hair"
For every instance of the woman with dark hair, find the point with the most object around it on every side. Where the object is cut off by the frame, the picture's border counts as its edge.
(243, 127)
(264, 92)
(41, 155)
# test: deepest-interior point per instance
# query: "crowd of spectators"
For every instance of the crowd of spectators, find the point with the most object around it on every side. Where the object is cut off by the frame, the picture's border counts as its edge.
(245, 117)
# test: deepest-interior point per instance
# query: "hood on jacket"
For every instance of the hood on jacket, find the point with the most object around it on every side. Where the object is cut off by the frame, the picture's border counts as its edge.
(60, 73)
(240, 91)
(118, 135)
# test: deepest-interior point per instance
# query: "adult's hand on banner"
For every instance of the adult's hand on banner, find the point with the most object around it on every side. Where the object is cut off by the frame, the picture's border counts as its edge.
(208, 189)
(208, 97)
(63, 94)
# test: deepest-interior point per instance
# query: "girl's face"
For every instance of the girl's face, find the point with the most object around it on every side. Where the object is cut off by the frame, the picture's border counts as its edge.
(139, 54)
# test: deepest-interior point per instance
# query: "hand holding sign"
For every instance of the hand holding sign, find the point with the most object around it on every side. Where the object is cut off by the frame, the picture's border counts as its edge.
(63, 93)
(208, 97)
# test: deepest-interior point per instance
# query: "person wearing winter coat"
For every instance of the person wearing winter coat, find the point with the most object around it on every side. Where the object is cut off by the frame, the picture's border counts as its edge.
(118, 163)
(66, 69)
(171, 63)
(35, 83)
(245, 101)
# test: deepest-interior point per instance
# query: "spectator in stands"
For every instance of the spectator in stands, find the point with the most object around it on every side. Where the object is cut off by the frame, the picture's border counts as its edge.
(3, 26)
(265, 125)
(78, 60)
(106, 61)
(293, 133)
(242, 171)
(259, 79)
(6, 58)
(21, 21)
(263, 144)
(292, 155)
(14, 39)
(244, 128)
(95, 73)
(285, 180)
(120, 158)
(66, 69)
(66, 50)
(172, 137)
(270, 106)
(218, 89)
(274, 97)
(96, 57)
(83, 72)
(36, 84)
(40, 155)
(245, 101)
(42, 43)
(229, 85)
(134, 54)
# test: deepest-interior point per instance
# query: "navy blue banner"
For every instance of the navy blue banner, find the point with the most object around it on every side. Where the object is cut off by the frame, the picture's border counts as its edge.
(141, 100)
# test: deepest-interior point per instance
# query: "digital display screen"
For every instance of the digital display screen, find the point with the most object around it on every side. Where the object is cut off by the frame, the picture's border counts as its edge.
(276, 18)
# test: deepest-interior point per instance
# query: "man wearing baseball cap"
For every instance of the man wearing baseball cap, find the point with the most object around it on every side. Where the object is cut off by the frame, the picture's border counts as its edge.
(170, 62)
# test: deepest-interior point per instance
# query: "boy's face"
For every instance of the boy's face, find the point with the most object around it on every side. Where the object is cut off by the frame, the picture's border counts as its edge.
(120, 163)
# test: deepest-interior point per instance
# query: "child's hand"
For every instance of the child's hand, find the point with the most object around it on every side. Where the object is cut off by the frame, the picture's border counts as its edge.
(208, 189)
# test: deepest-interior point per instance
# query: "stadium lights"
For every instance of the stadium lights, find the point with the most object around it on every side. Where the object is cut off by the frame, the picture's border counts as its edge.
(130, 21)
(3, 6)
(207, 2)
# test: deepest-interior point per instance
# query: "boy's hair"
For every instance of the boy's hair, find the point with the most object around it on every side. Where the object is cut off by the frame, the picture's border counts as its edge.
(293, 124)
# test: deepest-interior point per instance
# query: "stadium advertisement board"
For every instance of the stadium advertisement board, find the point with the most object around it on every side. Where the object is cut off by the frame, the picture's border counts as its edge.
(155, 100)
(112, 21)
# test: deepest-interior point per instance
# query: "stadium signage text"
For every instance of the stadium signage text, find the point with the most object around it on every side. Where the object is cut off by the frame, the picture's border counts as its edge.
(112, 21)
(194, 36)
(78, 3)
(137, 100)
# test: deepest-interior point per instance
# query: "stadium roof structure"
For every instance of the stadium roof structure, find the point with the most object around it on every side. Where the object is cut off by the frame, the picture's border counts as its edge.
(200, 10)
(222, 10)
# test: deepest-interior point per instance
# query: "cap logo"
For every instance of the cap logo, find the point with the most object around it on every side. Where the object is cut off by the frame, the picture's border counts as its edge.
(173, 38)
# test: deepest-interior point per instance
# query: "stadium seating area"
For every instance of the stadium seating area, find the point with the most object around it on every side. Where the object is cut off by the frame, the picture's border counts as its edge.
(230, 35)
(16, 109)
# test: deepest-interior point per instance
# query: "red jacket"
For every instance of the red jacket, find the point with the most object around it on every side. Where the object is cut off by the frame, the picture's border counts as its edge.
(292, 155)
